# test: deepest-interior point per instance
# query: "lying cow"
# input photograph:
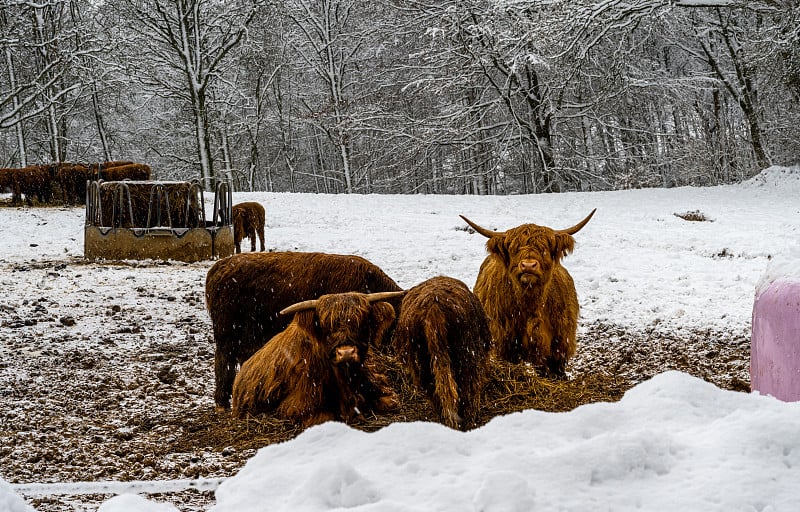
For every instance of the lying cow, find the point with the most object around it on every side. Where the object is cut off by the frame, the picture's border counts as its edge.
(248, 221)
(529, 296)
(315, 370)
(246, 292)
(442, 336)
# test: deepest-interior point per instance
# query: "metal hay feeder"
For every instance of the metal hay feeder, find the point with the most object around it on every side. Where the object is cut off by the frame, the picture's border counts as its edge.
(137, 220)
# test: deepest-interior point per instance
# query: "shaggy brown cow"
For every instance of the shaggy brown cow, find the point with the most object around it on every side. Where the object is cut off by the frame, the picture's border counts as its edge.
(315, 370)
(33, 181)
(9, 182)
(248, 220)
(529, 296)
(245, 293)
(72, 179)
(125, 171)
(97, 167)
(442, 336)
(6, 180)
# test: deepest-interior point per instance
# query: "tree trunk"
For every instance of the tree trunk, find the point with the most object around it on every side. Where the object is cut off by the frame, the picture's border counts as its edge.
(18, 130)
(101, 129)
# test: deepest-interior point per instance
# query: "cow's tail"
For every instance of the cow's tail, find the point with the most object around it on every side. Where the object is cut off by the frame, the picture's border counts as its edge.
(445, 393)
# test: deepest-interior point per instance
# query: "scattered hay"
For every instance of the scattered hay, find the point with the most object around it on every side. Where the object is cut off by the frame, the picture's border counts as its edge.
(693, 216)
(516, 387)
(724, 253)
(167, 208)
(510, 388)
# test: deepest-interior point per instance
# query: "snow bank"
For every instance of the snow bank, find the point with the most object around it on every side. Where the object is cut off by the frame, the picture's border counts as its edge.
(11, 501)
(785, 178)
(672, 443)
(783, 267)
(130, 502)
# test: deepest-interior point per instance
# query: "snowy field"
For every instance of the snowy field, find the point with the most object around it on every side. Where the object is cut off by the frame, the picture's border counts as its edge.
(674, 442)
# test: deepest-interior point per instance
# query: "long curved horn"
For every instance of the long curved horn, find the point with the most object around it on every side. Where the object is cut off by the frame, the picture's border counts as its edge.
(300, 306)
(375, 297)
(312, 304)
(577, 227)
(485, 232)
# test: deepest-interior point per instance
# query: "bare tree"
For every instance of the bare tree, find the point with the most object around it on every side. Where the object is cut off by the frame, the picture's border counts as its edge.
(39, 51)
(328, 45)
(180, 47)
(455, 96)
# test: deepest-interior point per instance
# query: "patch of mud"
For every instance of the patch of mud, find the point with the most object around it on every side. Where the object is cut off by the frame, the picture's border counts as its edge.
(106, 373)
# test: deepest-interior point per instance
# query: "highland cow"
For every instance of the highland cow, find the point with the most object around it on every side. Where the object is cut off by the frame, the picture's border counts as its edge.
(248, 220)
(528, 296)
(72, 179)
(442, 337)
(6, 180)
(99, 166)
(32, 182)
(246, 292)
(118, 171)
(316, 369)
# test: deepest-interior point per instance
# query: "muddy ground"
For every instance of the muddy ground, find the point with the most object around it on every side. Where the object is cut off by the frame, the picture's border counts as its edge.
(106, 373)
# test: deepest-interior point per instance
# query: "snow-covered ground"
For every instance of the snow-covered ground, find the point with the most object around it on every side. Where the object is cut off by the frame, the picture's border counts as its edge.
(672, 443)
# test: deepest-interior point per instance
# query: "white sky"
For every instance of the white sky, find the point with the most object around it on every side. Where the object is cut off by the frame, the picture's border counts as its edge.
(672, 443)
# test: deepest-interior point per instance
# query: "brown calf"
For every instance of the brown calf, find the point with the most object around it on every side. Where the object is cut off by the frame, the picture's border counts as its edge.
(248, 220)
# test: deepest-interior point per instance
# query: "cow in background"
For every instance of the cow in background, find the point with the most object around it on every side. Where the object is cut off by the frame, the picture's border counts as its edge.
(528, 296)
(248, 221)
(6, 180)
(72, 178)
(33, 182)
(119, 171)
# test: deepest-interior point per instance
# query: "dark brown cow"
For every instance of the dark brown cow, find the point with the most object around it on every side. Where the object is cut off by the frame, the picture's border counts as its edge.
(315, 370)
(97, 167)
(6, 180)
(529, 296)
(248, 220)
(442, 336)
(72, 179)
(245, 293)
(33, 181)
(125, 171)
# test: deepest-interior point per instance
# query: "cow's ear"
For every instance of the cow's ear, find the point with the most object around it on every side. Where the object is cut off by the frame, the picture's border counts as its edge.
(307, 320)
(497, 245)
(382, 317)
(562, 245)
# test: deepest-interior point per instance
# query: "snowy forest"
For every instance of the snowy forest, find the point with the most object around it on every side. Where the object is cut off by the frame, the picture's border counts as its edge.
(405, 96)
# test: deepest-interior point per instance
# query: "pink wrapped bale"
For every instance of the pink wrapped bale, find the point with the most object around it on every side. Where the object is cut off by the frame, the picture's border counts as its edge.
(775, 342)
